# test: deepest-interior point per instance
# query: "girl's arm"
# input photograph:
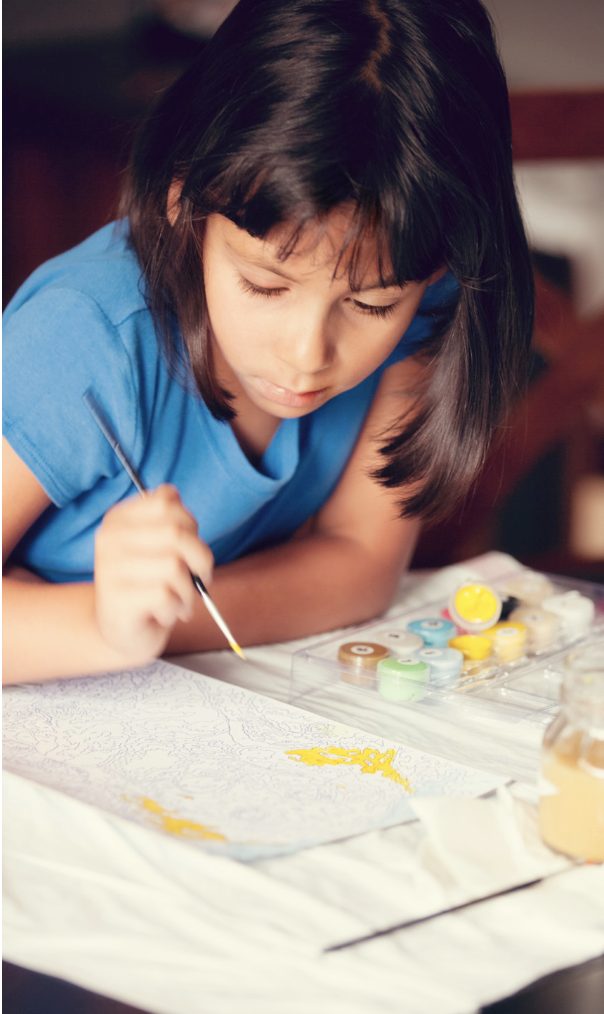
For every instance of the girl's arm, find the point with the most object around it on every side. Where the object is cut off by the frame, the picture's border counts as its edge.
(343, 568)
(144, 552)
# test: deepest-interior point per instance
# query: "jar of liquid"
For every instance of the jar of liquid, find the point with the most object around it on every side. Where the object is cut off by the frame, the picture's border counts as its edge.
(571, 810)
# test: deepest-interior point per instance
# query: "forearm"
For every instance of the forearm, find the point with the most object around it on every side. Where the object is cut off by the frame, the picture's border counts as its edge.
(50, 631)
(303, 587)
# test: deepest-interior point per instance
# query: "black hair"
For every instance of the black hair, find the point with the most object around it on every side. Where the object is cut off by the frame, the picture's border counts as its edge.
(396, 108)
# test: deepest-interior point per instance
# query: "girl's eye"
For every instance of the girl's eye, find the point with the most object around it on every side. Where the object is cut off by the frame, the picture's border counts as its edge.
(375, 311)
(257, 290)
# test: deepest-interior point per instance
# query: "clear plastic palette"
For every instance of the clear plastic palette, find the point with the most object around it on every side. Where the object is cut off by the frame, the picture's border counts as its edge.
(493, 715)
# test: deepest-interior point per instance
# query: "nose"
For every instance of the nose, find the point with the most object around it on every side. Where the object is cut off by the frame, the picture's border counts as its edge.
(306, 346)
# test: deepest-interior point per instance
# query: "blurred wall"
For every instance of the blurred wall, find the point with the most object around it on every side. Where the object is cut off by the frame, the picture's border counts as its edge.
(544, 43)
(550, 43)
(31, 21)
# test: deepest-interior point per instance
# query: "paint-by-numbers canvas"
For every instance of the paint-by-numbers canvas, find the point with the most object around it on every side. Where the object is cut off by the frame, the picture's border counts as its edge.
(218, 766)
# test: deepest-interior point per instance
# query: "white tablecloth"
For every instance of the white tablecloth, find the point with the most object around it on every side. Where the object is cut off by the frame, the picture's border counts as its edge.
(127, 912)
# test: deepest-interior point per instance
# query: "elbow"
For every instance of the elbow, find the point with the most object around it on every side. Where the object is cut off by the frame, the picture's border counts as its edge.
(375, 590)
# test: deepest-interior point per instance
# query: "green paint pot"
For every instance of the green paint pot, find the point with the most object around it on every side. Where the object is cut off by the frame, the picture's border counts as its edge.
(402, 679)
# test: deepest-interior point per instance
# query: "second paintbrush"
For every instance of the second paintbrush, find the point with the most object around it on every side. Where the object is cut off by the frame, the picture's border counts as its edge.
(99, 417)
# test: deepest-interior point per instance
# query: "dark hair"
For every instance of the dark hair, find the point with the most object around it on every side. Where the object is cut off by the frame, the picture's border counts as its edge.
(397, 108)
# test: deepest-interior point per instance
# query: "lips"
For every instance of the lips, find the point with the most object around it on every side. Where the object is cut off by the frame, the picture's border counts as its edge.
(283, 396)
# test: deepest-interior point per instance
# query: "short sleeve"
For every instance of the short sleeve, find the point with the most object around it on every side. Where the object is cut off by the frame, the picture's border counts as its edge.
(56, 345)
(437, 301)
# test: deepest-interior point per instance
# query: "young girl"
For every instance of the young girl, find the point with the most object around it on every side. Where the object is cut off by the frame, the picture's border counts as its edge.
(303, 331)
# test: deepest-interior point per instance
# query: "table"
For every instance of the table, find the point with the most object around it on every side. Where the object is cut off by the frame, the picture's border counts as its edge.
(122, 910)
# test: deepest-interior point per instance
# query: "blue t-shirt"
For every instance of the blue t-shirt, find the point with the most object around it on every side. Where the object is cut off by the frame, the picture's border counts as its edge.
(81, 321)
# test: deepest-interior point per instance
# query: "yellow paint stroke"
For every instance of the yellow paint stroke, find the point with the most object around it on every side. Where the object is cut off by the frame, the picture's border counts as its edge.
(369, 760)
(167, 820)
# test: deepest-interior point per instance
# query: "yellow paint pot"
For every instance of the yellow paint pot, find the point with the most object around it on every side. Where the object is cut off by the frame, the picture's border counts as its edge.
(473, 647)
(475, 606)
(509, 640)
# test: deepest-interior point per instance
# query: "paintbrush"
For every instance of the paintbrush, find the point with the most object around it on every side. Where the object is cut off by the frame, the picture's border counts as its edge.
(101, 420)
(448, 911)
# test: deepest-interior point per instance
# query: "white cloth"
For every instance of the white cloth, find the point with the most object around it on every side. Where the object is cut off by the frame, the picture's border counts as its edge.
(127, 912)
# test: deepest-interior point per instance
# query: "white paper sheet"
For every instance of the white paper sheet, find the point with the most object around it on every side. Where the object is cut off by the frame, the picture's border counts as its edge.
(227, 769)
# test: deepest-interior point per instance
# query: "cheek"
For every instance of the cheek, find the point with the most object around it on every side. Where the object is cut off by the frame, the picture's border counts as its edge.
(240, 329)
(379, 342)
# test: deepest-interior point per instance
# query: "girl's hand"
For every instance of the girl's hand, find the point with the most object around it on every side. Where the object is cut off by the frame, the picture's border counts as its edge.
(146, 549)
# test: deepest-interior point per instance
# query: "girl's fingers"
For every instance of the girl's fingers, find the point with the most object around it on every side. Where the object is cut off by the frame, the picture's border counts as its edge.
(160, 579)
(157, 524)
(146, 550)
(157, 542)
(162, 505)
(157, 608)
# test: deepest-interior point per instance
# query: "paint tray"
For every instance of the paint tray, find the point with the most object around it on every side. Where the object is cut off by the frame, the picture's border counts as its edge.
(492, 717)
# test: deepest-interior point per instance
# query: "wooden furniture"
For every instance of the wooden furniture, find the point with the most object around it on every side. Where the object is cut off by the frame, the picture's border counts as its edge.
(562, 407)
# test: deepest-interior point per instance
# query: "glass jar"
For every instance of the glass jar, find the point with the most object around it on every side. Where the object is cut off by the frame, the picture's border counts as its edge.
(571, 809)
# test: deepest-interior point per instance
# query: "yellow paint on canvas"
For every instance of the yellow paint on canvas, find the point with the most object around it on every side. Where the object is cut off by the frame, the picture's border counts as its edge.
(370, 760)
(168, 820)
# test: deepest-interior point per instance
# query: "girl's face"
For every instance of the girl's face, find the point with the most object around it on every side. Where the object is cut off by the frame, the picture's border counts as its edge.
(288, 336)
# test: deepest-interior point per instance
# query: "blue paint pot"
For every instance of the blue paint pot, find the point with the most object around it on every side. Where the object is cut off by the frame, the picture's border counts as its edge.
(435, 631)
(445, 663)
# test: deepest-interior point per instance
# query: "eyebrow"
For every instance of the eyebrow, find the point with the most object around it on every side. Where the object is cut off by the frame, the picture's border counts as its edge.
(388, 283)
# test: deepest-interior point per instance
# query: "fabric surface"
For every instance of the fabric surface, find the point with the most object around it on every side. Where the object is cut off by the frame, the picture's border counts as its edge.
(80, 322)
(141, 917)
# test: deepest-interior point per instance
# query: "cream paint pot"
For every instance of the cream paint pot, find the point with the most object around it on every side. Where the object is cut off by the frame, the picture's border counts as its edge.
(508, 640)
(575, 611)
(401, 641)
(475, 606)
(402, 679)
(434, 631)
(445, 663)
(541, 627)
(529, 588)
(364, 656)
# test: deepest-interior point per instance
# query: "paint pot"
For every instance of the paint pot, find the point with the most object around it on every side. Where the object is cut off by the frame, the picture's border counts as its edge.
(529, 588)
(508, 639)
(445, 663)
(400, 641)
(364, 656)
(473, 647)
(402, 679)
(435, 632)
(541, 627)
(475, 606)
(575, 611)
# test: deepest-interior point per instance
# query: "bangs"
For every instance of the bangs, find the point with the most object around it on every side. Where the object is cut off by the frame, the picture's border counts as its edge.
(403, 231)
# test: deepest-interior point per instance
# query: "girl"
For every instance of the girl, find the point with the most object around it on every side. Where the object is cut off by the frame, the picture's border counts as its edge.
(303, 330)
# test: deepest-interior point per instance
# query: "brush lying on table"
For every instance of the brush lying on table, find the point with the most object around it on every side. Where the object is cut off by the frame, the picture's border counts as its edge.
(101, 420)
(448, 911)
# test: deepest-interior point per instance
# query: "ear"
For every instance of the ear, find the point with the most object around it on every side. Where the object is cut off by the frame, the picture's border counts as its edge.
(434, 277)
(174, 193)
